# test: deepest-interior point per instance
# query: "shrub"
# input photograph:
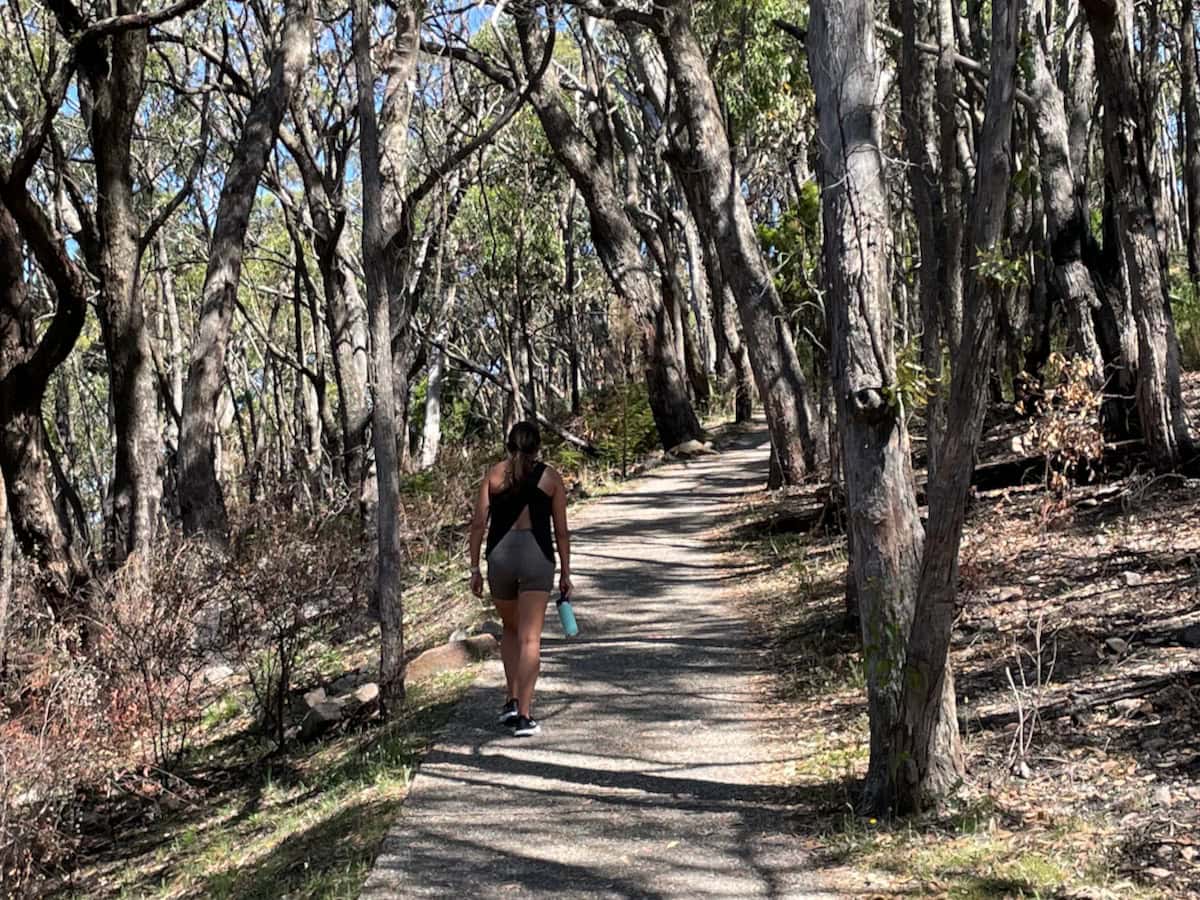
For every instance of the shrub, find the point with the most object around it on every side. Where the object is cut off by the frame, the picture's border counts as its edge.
(1185, 306)
(151, 640)
(290, 581)
(1067, 422)
(65, 737)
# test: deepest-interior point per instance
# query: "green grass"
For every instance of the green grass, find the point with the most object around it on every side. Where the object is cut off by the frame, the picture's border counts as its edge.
(972, 865)
(221, 712)
(303, 825)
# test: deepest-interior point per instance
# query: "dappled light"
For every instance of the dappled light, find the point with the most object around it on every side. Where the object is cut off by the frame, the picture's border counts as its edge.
(625, 448)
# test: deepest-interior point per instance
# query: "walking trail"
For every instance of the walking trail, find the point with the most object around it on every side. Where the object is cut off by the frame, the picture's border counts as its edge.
(649, 779)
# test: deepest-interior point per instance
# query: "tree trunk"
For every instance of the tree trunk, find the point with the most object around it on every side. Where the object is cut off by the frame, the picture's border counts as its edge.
(701, 292)
(383, 152)
(1189, 87)
(7, 557)
(1081, 111)
(201, 500)
(925, 758)
(26, 365)
(1126, 151)
(885, 529)
(137, 481)
(953, 216)
(1066, 217)
(731, 337)
(705, 168)
(567, 231)
(618, 245)
(174, 392)
(431, 436)
(675, 298)
(918, 79)
(345, 314)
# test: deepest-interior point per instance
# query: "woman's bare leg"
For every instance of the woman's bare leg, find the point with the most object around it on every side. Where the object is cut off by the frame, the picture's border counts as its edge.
(531, 616)
(509, 645)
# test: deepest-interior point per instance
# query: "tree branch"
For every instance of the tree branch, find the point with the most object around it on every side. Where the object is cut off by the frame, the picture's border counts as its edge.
(618, 14)
(132, 21)
(963, 62)
(474, 59)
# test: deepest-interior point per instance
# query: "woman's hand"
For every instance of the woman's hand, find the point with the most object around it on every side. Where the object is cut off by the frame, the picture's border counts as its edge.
(477, 583)
(564, 584)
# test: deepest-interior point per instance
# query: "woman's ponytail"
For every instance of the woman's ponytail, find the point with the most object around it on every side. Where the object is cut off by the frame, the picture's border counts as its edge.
(524, 441)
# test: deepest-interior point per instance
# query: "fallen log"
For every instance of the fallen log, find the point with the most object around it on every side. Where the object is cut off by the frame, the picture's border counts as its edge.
(827, 511)
(1074, 706)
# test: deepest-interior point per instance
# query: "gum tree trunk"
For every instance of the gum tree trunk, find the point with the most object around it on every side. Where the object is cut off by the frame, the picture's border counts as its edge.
(729, 336)
(383, 154)
(1066, 217)
(1189, 86)
(345, 312)
(925, 756)
(431, 436)
(137, 480)
(7, 557)
(705, 167)
(1126, 148)
(918, 80)
(618, 246)
(885, 529)
(201, 500)
(39, 526)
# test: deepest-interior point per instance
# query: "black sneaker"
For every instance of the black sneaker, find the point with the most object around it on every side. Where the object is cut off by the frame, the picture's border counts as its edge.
(509, 714)
(526, 727)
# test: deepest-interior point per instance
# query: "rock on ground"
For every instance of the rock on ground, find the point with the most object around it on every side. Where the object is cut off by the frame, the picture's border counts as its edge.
(451, 657)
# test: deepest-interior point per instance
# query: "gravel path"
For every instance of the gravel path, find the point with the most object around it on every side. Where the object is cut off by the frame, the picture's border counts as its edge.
(648, 779)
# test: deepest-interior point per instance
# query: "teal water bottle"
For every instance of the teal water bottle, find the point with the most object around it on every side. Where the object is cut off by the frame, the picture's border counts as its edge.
(566, 615)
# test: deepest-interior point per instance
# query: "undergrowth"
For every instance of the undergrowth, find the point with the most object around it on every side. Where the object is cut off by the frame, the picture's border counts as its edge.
(984, 843)
(128, 768)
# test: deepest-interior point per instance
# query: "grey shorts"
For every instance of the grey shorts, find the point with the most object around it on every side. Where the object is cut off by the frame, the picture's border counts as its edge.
(517, 564)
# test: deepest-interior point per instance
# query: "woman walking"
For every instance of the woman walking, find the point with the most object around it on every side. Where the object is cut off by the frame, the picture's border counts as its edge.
(517, 501)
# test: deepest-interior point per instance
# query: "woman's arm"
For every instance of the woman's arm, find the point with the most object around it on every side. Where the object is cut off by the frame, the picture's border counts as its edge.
(478, 526)
(558, 509)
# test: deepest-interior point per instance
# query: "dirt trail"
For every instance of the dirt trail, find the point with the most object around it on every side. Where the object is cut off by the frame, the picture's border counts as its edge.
(649, 779)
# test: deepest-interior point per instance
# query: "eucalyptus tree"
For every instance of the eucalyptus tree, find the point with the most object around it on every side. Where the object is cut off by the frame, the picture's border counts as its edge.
(1077, 284)
(321, 142)
(925, 151)
(201, 498)
(394, 267)
(885, 530)
(27, 361)
(114, 240)
(702, 161)
(656, 206)
(924, 754)
(29, 354)
(905, 581)
(590, 161)
(1189, 89)
(1128, 150)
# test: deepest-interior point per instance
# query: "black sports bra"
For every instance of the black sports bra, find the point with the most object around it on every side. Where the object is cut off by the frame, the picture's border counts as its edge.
(507, 506)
